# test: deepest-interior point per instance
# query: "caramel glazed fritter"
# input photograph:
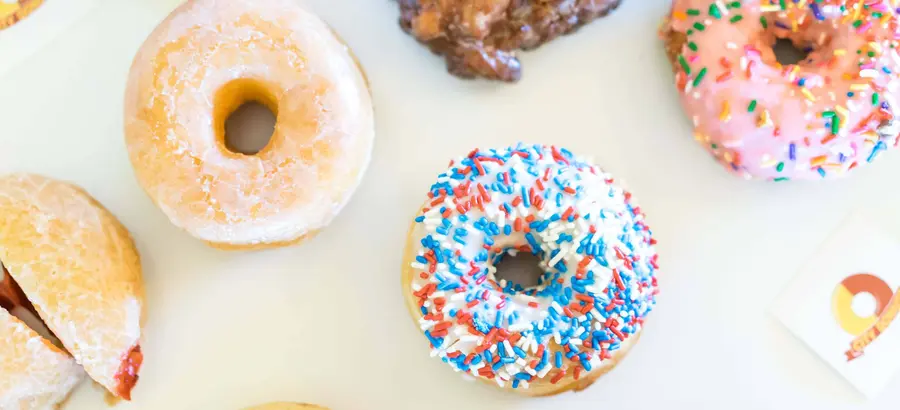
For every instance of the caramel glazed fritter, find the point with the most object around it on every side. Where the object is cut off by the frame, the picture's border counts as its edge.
(479, 38)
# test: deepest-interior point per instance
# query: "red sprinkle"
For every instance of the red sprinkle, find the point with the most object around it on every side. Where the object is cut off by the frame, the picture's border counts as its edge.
(724, 77)
(618, 333)
(559, 375)
(619, 283)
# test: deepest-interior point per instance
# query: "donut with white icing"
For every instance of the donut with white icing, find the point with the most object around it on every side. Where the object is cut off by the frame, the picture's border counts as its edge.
(199, 66)
(596, 252)
(829, 113)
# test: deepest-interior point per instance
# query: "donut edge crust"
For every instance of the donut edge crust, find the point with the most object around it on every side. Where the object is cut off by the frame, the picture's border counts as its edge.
(535, 389)
(673, 41)
(59, 243)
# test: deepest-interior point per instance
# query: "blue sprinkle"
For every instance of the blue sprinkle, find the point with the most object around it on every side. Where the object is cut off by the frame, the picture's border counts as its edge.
(878, 148)
(586, 364)
(519, 352)
(816, 11)
(792, 152)
(557, 360)
(420, 218)
(448, 286)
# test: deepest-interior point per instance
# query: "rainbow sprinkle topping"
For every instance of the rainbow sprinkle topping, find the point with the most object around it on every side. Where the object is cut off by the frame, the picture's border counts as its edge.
(596, 253)
(820, 117)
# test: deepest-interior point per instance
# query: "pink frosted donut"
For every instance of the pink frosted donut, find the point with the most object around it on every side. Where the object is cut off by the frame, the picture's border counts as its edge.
(815, 119)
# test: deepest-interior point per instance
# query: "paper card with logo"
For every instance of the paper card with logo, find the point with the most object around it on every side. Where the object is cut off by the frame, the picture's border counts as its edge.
(844, 302)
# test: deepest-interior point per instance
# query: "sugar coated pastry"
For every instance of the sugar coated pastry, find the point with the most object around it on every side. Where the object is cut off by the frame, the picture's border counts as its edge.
(34, 373)
(830, 113)
(287, 406)
(71, 269)
(480, 38)
(596, 252)
(201, 64)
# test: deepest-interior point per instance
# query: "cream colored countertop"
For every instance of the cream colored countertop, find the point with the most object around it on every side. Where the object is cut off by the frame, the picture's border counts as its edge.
(325, 322)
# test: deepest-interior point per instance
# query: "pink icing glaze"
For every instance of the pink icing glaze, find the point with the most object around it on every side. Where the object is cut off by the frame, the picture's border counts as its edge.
(789, 132)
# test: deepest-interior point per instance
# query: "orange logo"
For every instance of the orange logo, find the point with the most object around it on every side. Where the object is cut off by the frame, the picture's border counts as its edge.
(864, 329)
(13, 11)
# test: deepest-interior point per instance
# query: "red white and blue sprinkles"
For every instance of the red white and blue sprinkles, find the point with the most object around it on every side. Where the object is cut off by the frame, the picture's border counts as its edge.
(596, 252)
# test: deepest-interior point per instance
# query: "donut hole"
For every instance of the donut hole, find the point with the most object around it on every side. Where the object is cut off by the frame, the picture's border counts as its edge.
(787, 53)
(864, 305)
(249, 128)
(245, 114)
(518, 271)
(14, 301)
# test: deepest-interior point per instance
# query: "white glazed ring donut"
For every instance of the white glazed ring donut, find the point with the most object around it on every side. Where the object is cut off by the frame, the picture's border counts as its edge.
(596, 252)
(202, 63)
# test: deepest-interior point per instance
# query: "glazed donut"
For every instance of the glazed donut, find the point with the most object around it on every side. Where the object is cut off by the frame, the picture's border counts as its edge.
(80, 272)
(596, 252)
(831, 112)
(287, 406)
(202, 63)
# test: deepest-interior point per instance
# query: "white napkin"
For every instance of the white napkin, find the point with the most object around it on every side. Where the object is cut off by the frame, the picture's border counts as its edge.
(844, 302)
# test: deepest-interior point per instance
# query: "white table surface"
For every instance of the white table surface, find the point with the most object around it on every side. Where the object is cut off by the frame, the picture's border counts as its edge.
(325, 322)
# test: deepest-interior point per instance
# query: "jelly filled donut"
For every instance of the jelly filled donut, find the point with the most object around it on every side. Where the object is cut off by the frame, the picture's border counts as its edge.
(201, 64)
(831, 112)
(596, 252)
(69, 262)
